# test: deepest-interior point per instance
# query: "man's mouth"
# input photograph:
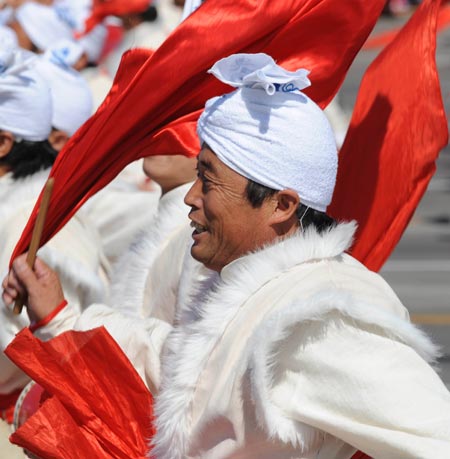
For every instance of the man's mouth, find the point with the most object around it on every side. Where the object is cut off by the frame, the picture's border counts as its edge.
(198, 228)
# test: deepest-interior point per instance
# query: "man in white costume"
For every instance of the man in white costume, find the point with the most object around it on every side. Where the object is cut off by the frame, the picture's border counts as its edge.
(25, 159)
(72, 99)
(289, 347)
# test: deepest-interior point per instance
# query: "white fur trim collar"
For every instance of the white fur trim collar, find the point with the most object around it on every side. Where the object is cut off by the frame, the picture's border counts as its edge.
(202, 324)
(204, 321)
(131, 270)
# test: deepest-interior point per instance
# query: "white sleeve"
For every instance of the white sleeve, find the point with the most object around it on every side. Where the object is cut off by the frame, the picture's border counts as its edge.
(140, 339)
(373, 392)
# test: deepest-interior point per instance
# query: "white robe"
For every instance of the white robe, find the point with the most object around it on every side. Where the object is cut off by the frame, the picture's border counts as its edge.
(121, 211)
(144, 290)
(295, 351)
(299, 351)
(74, 253)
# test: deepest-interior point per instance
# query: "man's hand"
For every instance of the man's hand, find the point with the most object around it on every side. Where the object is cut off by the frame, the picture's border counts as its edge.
(40, 287)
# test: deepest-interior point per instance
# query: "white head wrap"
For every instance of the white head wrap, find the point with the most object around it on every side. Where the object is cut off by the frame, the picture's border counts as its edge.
(71, 96)
(94, 42)
(25, 101)
(8, 38)
(269, 131)
(65, 52)
(45, 25)
(6, 14)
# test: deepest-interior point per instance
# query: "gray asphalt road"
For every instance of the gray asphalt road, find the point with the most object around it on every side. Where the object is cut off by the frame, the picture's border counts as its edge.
(419, 268)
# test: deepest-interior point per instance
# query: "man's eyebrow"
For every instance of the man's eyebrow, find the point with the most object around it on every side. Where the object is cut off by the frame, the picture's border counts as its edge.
(205, 164)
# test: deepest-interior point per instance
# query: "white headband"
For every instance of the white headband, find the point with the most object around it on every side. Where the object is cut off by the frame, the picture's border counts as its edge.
(8, 38)
(71, 95)
(25, 101)
(269, 131)
(44, 25)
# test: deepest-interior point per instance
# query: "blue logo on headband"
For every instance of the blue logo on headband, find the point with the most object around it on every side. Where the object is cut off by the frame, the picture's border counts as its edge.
(59, 56)
(288, 87)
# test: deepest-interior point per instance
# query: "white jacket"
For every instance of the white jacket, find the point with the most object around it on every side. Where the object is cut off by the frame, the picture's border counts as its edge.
(74, 253)
(120, 211)
(295, 351)
(298, 351)
(144, 290)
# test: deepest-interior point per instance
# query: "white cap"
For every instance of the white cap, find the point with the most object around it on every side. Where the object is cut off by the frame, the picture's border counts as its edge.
(44, 24)
(25, 100)
(94, 42)
(65, 52)
(8, 38)
(269, 131)
(71, 96)
(6, 14)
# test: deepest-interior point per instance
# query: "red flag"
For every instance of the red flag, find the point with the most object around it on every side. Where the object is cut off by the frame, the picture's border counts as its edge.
(396, 133)
(384, 38)
(157, 111)
(98, 406)
(103, 8)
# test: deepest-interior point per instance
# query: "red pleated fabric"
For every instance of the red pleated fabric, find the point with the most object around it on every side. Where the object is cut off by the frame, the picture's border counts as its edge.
(98, 406)
(156, 112)
(396, 133)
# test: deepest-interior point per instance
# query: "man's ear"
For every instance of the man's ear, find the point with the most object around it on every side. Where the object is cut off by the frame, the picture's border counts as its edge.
(286, 203)
(58, 139)
(6, 143)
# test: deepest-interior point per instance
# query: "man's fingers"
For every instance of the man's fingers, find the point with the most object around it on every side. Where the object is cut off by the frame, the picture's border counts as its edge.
(8, 296)
(11, 288)
(24, 273)
(5, 282)
(41, 269)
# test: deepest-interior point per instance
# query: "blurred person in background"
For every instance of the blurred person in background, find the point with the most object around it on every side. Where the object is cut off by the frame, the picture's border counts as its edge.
(71, 96)
(25, 159)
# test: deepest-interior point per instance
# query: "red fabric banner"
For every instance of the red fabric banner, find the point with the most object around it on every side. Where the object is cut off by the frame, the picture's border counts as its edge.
(382, 39)
(396, 133)
(103, 8)
(157, 111)
(98, 406)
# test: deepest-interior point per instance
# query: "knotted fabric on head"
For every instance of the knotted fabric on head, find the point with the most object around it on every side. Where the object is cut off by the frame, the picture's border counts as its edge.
(269, 131)
(25, 101)
(8, 38)
(71, 96)
(65, 52)
(44, 25)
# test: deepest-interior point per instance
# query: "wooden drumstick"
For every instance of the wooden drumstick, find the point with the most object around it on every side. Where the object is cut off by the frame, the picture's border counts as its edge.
(36, 237)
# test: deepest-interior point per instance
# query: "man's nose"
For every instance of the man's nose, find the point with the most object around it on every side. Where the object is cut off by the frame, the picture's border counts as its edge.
(193, 196)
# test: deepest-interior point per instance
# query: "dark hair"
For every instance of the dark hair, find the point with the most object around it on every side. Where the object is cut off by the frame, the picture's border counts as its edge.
(257, 194)
(27, 157)
(150, 14)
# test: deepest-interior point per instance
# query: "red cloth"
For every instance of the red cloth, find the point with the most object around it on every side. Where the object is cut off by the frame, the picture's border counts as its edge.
(396, 133)
(98, 405)
(360, 455)
(103, 8)
(113, 38)
(7, 404)
(157, 111)
(382, 39)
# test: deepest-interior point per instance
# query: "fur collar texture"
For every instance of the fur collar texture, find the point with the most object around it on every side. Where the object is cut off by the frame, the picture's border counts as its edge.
(203, 322)
(131, 270)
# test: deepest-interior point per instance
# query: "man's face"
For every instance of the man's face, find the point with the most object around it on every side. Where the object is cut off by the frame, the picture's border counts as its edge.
(226, 226)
